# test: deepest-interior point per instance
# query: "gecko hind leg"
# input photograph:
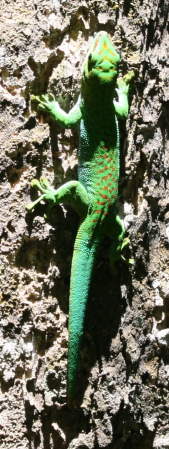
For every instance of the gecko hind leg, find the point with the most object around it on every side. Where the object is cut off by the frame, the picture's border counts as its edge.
(118, 240)
(72, 193)
(119, 243)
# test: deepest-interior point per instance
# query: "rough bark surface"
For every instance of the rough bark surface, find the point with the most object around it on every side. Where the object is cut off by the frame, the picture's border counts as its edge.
(124, 375)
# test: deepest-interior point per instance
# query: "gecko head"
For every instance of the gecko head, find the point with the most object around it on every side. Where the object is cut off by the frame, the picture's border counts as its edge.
(102, 60)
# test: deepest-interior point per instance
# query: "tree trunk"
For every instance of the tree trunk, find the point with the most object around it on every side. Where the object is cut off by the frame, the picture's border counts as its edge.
(124, 369)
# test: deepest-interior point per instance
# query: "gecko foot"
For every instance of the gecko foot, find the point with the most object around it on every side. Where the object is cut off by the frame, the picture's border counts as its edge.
(44, 102)
(48, 193)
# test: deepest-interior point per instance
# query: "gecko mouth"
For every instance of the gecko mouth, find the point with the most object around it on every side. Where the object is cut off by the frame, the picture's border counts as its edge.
(104, 73)
(104, 68)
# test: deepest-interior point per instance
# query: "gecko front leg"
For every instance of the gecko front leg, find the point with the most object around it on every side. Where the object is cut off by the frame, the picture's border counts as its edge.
(48, 104)
(121, 105)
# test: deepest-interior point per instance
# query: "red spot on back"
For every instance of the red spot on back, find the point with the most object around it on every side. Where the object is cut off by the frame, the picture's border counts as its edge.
(105, 188)
(102, 203)
(101, 170)
(106, 176)
(99, 162)
(104, 196)
(107, 167)
(109, 184)
(104, 156)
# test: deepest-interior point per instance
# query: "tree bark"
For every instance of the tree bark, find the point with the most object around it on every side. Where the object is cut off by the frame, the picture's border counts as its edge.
(124, 371)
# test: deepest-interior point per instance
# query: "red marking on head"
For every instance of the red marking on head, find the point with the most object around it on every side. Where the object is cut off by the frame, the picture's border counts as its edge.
(96, 44)
(105, 46)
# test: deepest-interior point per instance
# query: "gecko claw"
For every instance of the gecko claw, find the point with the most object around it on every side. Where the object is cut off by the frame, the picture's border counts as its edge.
(129, 76)
(125, 243)
(41, 184)
(35, 183)
(34, 98)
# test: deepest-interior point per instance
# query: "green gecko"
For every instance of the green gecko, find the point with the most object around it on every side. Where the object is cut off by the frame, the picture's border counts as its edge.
(103, 98)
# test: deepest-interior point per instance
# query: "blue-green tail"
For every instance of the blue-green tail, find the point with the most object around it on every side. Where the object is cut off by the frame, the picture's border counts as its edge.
(81, 272)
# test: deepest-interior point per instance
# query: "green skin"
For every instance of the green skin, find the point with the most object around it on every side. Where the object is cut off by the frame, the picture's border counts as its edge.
(95, 194)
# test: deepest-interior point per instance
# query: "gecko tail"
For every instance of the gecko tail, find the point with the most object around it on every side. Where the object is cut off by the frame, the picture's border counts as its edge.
(81, 272)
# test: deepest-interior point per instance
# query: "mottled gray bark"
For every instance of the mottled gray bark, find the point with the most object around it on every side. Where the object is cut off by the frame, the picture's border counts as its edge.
(123, 379)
